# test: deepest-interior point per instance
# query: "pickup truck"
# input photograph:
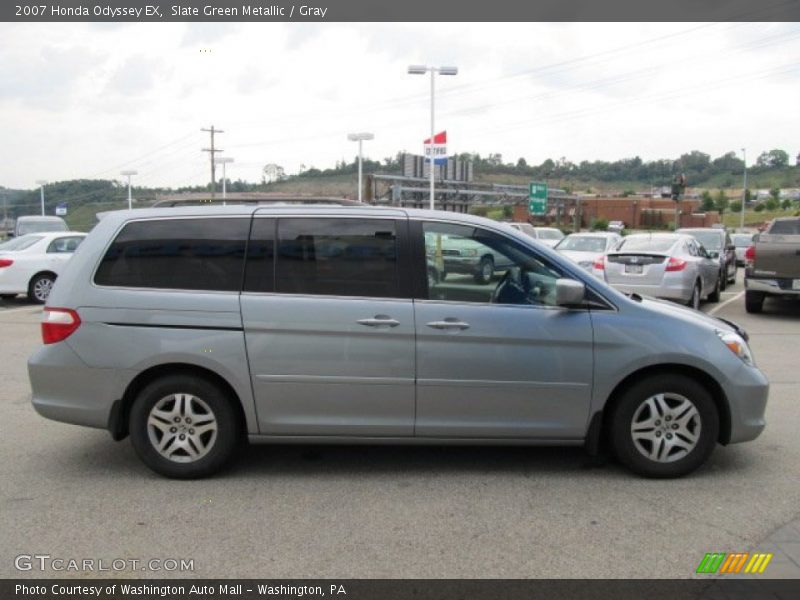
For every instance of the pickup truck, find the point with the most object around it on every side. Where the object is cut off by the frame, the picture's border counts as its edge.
(772, 264)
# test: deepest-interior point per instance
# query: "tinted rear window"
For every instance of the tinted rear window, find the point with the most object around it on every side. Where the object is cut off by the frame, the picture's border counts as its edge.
(183, 254)
(337, 257)
(786, 227)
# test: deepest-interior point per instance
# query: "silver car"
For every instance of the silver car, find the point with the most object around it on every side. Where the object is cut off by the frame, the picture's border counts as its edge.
(190, 329)
(664, 265)
(549, 236)
(741, 242)
(588, 247)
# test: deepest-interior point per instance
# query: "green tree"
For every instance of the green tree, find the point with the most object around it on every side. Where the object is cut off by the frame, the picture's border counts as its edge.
(772, 159)
(707, 202)
(772, 203)
(721, 202)
(786, 204)
(735, 206)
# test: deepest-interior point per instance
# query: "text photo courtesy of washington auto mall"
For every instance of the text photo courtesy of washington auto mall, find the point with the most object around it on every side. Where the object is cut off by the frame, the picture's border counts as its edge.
(416, 300)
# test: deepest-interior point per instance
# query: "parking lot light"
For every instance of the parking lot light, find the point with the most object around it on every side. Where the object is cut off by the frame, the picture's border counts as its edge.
(128, 175)
(41, 183)
(360, 138)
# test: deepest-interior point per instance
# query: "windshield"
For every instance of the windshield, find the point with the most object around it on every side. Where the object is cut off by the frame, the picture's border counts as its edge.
(711, 240)
(654, 244)
(40, 226)
(742, 240)
(20, 243)
(583, 244)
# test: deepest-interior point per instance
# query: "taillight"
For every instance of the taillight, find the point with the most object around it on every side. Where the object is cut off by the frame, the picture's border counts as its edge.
(58, 324)
(675, 264)
(750, 254)
(5, 262)
(599, 263)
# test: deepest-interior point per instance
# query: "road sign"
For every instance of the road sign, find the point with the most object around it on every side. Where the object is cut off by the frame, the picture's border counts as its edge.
(537, 198)
(61, 210)
(439, 148)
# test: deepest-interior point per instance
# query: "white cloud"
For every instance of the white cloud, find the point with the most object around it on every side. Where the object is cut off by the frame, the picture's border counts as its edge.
(87, 100)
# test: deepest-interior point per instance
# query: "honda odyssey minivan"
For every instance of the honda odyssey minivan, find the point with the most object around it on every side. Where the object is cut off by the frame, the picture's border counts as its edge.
(190, 329)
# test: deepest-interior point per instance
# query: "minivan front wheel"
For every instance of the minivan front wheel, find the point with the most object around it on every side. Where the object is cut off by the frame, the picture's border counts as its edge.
(183, 427)
(664, 426)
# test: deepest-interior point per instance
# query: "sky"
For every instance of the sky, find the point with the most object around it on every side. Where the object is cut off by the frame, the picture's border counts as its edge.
(88, 100)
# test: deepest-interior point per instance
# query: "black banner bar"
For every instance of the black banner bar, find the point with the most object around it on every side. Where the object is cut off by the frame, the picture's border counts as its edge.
(399, 10)
(402, 589)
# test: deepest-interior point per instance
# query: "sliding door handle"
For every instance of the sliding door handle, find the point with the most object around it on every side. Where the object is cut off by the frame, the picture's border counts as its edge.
(451, 324)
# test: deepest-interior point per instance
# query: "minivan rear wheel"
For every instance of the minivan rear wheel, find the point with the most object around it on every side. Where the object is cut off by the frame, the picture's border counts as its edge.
(664, 426)
(183, 427)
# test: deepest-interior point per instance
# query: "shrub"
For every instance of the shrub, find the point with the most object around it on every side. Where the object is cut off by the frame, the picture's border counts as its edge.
(599, 224)
(759, 208)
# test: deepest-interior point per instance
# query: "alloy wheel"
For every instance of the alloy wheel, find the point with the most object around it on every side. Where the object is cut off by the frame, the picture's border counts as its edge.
(666, 427)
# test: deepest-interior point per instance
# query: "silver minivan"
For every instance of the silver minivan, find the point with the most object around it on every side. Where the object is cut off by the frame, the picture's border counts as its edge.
(192, 329)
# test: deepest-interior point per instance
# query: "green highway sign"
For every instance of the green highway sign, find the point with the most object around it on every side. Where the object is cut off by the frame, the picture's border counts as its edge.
(537, 198)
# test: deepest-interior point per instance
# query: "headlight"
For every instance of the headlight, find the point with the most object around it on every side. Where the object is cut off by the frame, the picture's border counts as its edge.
(469, 252)
(737, 345)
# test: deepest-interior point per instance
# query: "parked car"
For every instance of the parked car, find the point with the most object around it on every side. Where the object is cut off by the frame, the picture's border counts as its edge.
(189, 328)
(466, 256)
(616, 226)
(31, 263)
(549, 236)
(665, 265)
(586, 248)
(719, 246)
(773, 264)
(741, 242)
(26, 225)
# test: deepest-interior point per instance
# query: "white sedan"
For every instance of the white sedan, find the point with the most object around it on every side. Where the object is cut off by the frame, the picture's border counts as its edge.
(30, 263)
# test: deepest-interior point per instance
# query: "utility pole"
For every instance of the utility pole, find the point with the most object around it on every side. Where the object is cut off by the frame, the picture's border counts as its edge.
(212, 151)
(744, 189)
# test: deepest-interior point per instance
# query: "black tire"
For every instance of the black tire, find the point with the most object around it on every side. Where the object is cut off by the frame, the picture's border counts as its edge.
(753, 301)
(714, 296)
(228, 432)
(682, 461)
(694, 300)
(723, 279)
(485, 270)
(8, 296)
(40, 286)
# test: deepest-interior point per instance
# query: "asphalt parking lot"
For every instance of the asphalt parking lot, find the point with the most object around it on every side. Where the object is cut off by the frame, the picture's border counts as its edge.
(301, 511)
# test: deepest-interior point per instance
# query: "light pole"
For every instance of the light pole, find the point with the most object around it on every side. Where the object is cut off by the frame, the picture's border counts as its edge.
(41, 183)
(360, 137)
(128, 175)
(421, 70)
(224, 160)
(744, 189)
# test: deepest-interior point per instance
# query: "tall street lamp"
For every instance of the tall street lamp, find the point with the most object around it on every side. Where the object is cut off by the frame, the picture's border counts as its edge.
(360, 138)
(128, 175)
(744, 189)
(224, 160)
(421, 70)
(41, 183)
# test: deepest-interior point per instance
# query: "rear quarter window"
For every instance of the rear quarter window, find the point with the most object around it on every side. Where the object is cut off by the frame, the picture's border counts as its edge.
(183, 254)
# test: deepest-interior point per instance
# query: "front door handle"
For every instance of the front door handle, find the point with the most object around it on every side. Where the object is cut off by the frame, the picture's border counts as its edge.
(379, 321)
(448, 323)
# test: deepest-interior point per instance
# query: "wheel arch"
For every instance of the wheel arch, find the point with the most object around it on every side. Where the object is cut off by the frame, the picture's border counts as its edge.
(707, 381)
(120, 412)
(42, 272)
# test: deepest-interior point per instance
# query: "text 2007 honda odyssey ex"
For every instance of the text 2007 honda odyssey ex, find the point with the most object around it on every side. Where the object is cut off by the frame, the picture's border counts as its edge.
(191, 328)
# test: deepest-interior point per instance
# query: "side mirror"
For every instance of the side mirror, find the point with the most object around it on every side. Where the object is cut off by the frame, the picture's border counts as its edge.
(569, 292)
(714, 255)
